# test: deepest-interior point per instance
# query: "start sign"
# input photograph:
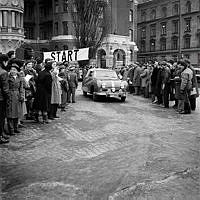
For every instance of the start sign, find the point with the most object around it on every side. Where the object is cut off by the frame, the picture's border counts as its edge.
(68, 55)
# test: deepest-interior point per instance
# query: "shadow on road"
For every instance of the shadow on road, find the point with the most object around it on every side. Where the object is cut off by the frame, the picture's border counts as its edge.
(105, 99)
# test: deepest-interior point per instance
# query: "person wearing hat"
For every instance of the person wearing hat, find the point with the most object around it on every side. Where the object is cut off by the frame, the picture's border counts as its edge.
(16, 97)
(73, 84)
(42, 99)
(4, 94)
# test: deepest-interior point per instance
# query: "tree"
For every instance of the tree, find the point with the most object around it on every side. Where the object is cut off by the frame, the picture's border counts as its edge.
(91, 22)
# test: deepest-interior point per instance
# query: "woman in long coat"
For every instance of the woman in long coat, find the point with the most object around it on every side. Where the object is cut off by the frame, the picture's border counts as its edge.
(137, 79)
(55, 92)
(16, 96)
(43, 93)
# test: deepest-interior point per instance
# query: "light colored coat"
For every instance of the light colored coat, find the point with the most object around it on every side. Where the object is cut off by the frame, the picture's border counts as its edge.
(145, 78)
(16, 95)
(56, 90)
(136, 77)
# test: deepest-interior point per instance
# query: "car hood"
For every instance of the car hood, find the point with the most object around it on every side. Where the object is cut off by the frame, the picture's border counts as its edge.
(111, 83)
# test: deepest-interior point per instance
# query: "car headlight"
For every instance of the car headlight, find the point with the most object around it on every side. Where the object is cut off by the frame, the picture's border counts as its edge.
(103, 85)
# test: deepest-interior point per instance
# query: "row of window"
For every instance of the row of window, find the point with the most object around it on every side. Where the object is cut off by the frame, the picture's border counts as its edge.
(164, 11)
(45, 30)
(11, 19)
(163, 28)
(163, 44)
(64, 6)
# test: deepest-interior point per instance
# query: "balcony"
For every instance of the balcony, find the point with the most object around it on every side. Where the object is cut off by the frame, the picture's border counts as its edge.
(3, 29)
(12, 30)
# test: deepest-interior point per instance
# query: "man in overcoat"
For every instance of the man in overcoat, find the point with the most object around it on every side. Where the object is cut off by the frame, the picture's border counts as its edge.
(73, 84)
(4, 93)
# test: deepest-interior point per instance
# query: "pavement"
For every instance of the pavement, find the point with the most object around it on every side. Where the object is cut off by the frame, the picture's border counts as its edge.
(105, 150)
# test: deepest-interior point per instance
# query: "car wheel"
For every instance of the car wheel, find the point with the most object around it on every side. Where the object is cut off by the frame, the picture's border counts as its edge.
(84, 93)
(123, 99)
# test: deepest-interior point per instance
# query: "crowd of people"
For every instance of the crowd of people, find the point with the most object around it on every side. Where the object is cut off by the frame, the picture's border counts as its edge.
(33, 90)
(164, 82)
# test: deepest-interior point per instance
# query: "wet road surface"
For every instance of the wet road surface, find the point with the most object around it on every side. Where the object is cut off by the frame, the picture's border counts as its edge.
(105, 150)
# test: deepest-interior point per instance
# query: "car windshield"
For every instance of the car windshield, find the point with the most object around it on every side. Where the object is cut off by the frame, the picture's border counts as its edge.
(106, 74)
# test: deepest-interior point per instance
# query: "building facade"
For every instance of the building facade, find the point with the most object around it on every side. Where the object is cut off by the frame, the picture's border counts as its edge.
(11, 24)
(48, 26)
(169, 29)
(119, 48)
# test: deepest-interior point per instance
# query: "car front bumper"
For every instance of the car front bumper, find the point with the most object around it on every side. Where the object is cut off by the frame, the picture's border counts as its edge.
(110, 93)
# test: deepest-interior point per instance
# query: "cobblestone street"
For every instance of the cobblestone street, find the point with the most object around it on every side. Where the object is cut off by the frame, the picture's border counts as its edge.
(105, 150)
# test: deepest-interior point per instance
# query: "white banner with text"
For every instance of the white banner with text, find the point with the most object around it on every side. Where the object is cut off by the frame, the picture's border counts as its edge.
(68, 55)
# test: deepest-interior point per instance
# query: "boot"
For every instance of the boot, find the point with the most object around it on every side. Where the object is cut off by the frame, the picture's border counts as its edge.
(37, 118)
(45, 119)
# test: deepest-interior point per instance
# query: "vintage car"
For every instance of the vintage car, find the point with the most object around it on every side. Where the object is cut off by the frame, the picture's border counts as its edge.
(104, 82)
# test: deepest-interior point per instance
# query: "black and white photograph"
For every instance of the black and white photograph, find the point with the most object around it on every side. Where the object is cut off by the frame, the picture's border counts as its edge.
(99, 100)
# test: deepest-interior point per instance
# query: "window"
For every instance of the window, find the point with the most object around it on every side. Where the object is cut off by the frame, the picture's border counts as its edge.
(131, 35)
(131, 55)
(187, 25)
(198, 22)
(4, 18)
(199, 58)
(143, 16)
(143, 32)
(164, 12)
(163, 44)
(198, 38)
(187, 56)
(65, 5)
(56, 6)
(163, 28)
(153, 14)
(143, 46)
(131, 15)
(153, 30)
(152, 45)
(65, 28)
(28, 32)
(56, 28)
(65, 47)
(187, 42)
(175, 9)
(188, 7)
(174, 43)
(175, 26)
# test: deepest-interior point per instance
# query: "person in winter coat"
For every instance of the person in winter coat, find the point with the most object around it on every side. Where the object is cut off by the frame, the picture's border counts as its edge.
(4, 95)
(31, 89)
(145, 81)
(195, 91)
(130, 76)
(64, 88)
(73, 84)
(42, 100)
(16, 97)
(154, 76)
(137, 79)
(55, 92)
(185, 89)
(166, 85)
(158, 87)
